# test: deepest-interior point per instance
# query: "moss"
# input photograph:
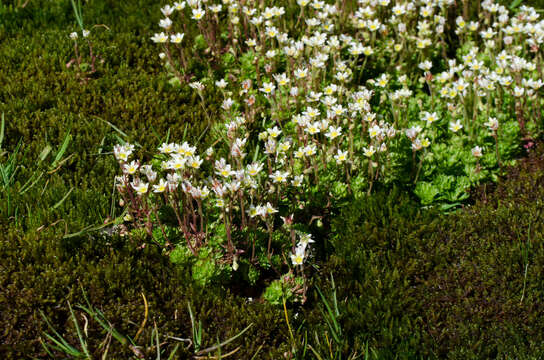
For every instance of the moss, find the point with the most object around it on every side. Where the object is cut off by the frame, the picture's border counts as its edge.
(42, 274)
(447, 286)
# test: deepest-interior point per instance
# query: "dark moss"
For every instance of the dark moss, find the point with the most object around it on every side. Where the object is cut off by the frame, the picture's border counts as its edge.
(420, 282)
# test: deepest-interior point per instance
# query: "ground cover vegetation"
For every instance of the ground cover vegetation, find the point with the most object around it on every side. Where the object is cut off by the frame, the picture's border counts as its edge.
(271, 180)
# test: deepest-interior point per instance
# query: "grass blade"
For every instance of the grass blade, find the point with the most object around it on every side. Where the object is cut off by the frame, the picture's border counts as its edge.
(226, 342)
(62, 149)
(78, 330)
(515, 4)
(63, 199)
(2, 127)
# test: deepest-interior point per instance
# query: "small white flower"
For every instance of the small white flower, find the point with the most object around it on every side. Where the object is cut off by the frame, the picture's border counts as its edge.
(177, 38)
(194, 161)
(341, 156)
(140, 187)
(268, 88)
(221, 84)
(198, 14)
(368, 152)
(297, 180)
(429, 117)
(165, 23)
(456, 126)
(274, 132)
(477, 151)
(160, 38)
(333, 132)
(179, 5)
(279, 176)
(160, 187)
(492, 124)
(167, 10)
(298, 257)
(269, 209)
(197, 85)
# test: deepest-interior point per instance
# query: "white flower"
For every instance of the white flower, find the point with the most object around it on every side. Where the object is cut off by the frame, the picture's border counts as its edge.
(271, 32)
(305, 239)
(492, 124)
(131, 168)
(254, 169)
(252, 211)
(194, 161)
(140, 187)
(298, 257)
(177, 163)
(85, 33)
(374, 131)
(179, 5)
(373, 25)
(167, 148)
(313, 128)
(429, 117)
(333, 132)
(301, 73)
(222, 168)
(167, 10)
(197, 85)
(216, 8)
(221, 84)
(122, 152)
(368, 152)
(382, 81)
(227, 104)
(177, 38)
(311, 112)
(73, 35)
(456, 126)
(310, 150)
(477, 151)
(269, 209)
(251, 42)
(341, 156)
(160, 38)
(426, 65)
(279, 176)
(160, 187)
(273, 132)
(165, 23)
(268, 88)
(367, 51)
(281, 79)
(198, 14)
(417, 145)
(297, 180)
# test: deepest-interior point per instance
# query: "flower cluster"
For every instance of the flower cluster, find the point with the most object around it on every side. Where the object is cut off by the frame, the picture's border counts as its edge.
(318, 129)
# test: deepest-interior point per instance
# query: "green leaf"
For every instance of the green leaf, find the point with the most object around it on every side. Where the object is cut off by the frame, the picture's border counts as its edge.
(426, 192)
(515, 4)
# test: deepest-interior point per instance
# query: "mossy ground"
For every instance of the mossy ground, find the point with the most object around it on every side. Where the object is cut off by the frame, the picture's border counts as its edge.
(412, 282)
